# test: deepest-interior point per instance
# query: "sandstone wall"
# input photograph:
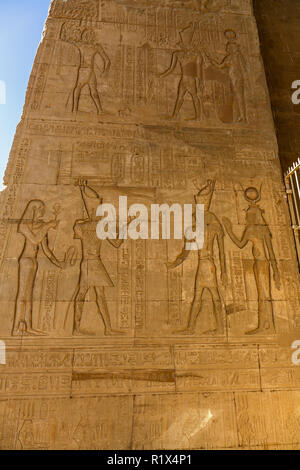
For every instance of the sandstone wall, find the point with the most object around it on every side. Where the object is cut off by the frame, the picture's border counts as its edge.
(117, 346)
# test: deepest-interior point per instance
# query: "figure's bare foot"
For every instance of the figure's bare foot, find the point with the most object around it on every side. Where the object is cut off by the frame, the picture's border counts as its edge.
(28, 332)
(195, 118)
(78, 333)
(169, 117)
(20, 329)
(23, 330)
(267, 328)
(17, 333)
(185, 332)
(216, 331)
(114, 333)
(33, 332)
(256, 331)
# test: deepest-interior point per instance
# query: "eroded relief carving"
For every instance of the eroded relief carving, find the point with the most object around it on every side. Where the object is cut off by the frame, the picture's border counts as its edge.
(88, 48)
(258, 234)
(203, 6)
(76, 9)
(35, 435)
(197, 81)
(235, 65)
(190, 61)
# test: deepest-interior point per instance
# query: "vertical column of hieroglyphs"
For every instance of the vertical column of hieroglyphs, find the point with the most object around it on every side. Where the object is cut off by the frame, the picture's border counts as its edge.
(162, 101)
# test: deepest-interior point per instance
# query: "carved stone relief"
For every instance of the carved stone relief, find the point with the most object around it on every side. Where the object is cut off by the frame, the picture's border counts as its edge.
(164, 102)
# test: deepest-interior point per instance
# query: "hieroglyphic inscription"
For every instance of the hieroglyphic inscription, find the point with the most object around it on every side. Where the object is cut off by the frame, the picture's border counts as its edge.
(140, 284)
(125, 286)
(49, 295)
(238, 282)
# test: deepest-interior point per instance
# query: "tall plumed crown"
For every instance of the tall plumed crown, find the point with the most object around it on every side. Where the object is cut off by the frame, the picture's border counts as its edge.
(187, 34)
(205, 193)
(90, 193)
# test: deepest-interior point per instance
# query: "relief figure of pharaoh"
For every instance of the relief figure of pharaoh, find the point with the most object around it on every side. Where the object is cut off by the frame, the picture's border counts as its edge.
(35, 234)
(93, 273)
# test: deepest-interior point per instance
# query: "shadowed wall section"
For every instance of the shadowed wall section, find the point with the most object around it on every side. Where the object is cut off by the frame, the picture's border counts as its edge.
(279, 31)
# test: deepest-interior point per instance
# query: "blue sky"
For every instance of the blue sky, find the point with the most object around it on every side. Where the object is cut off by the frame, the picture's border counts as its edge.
(21, 26)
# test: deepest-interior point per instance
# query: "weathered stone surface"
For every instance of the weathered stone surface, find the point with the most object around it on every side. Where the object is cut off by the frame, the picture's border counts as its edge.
(115, 345)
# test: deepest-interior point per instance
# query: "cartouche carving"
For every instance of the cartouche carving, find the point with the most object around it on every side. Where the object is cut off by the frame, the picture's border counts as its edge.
(206, 276)
(259, 235)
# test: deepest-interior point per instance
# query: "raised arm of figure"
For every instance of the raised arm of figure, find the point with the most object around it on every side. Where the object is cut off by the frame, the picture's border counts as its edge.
(269, 245)
(225, 62)
(220, 240)
(241, 243)
(115, 243)
(50, 255)
(172, 67)
(36, 238)
(120, 237)
(180, 258)
(105, 58)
